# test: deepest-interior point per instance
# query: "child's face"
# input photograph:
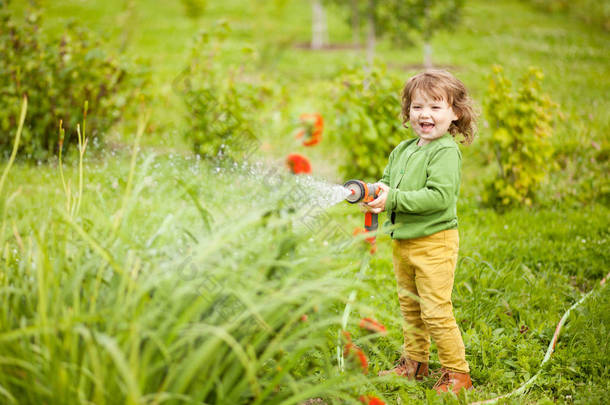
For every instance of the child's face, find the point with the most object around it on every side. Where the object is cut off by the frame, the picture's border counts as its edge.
(430, 118)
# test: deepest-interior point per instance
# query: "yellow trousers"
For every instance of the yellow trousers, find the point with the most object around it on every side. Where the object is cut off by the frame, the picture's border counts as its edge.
(424, 269)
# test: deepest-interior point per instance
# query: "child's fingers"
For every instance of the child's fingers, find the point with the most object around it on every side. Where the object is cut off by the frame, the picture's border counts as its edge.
(379, 202)
(383, 187)
(364, 207)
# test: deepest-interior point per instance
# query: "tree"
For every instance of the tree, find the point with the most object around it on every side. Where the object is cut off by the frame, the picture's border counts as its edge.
(402, 20)
(319, 26)
(370, 10)
(428, 17)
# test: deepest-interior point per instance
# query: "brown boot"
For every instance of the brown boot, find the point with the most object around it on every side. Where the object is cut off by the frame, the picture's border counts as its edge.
(454, 381)
(411, 369)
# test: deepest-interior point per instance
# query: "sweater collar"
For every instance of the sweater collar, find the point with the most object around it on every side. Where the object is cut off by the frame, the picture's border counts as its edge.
(447, 135)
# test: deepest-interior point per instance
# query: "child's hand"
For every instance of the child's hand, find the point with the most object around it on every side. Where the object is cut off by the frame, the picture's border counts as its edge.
(364, 207)
(378, 204)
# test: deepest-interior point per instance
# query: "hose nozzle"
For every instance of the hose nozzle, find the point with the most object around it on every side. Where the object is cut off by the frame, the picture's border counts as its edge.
(365, 192)
(360, 191)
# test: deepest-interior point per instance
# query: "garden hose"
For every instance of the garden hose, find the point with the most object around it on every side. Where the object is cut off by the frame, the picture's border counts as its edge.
(523, 388)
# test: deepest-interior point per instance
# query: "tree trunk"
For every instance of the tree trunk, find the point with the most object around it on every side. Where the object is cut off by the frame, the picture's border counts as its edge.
(319, 31)
(370, 35)
(427, 54)
(427, 46)
(355, 24)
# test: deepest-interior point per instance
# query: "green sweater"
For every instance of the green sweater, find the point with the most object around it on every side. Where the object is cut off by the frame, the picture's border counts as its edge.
(424, 186)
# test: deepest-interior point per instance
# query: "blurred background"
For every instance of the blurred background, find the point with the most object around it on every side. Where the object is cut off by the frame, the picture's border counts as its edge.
(271, 61)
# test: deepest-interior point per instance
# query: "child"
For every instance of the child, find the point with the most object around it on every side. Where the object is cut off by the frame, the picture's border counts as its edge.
(420, 187)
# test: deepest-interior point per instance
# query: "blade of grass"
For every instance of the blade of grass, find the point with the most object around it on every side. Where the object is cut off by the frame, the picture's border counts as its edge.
(143, 121)
(24, 108)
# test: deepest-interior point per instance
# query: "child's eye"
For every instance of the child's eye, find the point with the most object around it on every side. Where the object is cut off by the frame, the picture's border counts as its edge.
(436, 107)
(415, 107)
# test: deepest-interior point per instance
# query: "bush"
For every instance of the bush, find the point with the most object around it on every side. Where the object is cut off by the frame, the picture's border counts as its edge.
(58, 74)
(520, 122)
(368, 120)
(224, 104)
(194, 8)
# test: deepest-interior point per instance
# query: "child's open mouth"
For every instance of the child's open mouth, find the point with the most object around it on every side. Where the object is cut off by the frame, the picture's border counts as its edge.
(426, 126)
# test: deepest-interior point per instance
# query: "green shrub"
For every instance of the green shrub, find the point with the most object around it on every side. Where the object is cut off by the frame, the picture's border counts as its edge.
(520, 124)
(58, 74)
(194, 8)
(224, 103)
(368, 120)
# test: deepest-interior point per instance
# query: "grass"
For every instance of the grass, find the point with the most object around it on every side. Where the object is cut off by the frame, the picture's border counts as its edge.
(134, 313)
(510, 277)
(143, 296)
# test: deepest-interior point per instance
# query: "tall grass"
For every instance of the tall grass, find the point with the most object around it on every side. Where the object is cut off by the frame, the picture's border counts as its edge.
(176, 286)
(11, 159)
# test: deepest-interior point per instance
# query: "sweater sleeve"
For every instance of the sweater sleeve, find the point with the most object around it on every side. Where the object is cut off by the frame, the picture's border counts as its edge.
(443, 180)
(385, 179)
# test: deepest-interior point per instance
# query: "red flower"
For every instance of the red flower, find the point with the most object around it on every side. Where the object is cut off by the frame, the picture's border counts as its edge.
(311, 130)
(304, 318)
(371, 400)
(350, 348)
(298, 163)
(371, 240)
(364, 362)
(372, 325)
(358, 231)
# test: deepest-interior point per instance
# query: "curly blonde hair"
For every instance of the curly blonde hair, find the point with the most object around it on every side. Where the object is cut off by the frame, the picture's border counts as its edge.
(442, 85)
